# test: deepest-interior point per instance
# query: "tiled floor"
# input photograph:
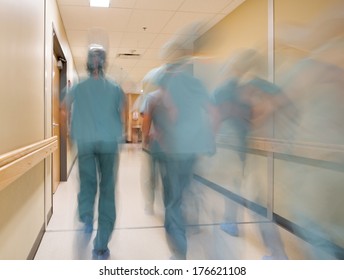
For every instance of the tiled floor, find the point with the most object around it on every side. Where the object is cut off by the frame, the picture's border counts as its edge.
(139, 236)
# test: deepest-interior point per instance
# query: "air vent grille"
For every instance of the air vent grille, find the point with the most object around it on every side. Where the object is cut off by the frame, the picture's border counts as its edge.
(128, 55)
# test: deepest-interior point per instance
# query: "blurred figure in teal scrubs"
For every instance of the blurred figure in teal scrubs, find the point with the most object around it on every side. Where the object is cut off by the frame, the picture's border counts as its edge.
(180, 110)
(96, 127)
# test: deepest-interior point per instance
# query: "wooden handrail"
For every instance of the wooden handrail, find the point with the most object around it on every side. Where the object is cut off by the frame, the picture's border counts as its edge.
(308, 150)
(15, 163)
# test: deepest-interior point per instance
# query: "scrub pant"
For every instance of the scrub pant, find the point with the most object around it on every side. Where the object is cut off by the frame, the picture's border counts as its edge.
(176, 175)
(149, 177)
(98, 160)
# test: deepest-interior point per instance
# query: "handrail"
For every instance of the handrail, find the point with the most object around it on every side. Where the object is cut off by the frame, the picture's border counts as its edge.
(308, 150)
(15, 163)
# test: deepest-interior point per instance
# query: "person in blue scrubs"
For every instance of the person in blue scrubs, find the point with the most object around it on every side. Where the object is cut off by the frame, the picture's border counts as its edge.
(180, 112)
(96, 127)
(245, 102)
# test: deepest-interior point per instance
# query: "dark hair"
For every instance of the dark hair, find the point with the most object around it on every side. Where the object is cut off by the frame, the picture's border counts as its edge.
(96, 59)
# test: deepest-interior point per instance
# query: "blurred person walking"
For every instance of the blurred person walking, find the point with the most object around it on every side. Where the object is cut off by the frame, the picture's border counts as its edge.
(245, 102)
(96, 127)
(150, 145)
(179, 111)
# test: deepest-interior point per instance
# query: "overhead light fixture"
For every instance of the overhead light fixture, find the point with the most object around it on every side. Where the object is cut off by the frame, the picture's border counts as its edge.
(100, 3)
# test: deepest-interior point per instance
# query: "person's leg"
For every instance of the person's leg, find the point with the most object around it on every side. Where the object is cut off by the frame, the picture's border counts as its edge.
(177, 178)
(108, 166)
(88, 184)
(231, 216)
(148, 181)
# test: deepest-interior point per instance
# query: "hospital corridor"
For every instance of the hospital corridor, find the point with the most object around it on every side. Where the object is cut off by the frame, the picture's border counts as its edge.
(170, 130)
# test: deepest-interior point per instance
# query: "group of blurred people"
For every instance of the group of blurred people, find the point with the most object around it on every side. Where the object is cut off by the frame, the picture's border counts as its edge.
(180, 121)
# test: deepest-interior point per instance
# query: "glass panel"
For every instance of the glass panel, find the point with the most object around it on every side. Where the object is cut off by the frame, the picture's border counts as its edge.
(311, 196)
(242, 188)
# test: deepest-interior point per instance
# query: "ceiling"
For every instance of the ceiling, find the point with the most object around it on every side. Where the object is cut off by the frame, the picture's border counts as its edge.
(138, 27)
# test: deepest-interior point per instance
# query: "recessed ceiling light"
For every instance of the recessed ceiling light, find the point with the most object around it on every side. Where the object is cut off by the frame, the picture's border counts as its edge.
(100, 3)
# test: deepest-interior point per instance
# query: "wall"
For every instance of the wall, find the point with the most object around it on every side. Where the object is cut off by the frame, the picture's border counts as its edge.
(235, 31)
(25, 117)
(21, 121)
(309, 193)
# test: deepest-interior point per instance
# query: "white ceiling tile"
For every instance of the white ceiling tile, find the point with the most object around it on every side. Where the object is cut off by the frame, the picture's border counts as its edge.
(154, 21)
(232, 6)
(112, 53)
(115, 39)
(117, 72)
(161, 40)
(205, 6)
(137, 40)
(79, 52)
(151, 53)
(159, 4)
(77, 37)
(122, 3)
(74, 2)
(110, 19)
(81, 21)
(125, 62)
(150, 63)
(181, 22)
(137, 73)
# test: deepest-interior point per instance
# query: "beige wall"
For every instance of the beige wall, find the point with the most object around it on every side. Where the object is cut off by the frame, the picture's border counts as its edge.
(302, 14)
(21, 121)
(232, 34)
(21, 72)
(307, 193)
(245, 27)
(25, 116)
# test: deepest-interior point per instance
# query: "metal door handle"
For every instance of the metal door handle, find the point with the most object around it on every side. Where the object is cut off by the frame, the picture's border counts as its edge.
(55, 124)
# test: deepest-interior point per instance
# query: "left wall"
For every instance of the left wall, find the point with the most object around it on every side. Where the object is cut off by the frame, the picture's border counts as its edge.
(25, 117)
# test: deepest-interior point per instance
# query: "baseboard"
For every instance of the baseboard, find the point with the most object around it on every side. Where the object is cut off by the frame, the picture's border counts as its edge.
(310, 237)
(233, 196)
(36, 244)
(49, 215)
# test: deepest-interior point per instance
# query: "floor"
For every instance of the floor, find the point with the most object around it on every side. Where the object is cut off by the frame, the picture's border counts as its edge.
(140, 236)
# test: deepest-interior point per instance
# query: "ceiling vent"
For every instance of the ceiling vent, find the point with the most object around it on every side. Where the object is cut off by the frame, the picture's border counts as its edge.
(131, 54)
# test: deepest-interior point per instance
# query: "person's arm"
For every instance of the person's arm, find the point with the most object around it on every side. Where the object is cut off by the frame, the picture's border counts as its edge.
(146, 125)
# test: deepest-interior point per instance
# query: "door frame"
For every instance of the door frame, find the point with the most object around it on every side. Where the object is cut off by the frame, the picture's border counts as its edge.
(56, 50)
(58, 53)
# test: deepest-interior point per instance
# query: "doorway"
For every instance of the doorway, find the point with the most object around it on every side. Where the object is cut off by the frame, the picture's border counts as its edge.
(56, 173)
(59, 122)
